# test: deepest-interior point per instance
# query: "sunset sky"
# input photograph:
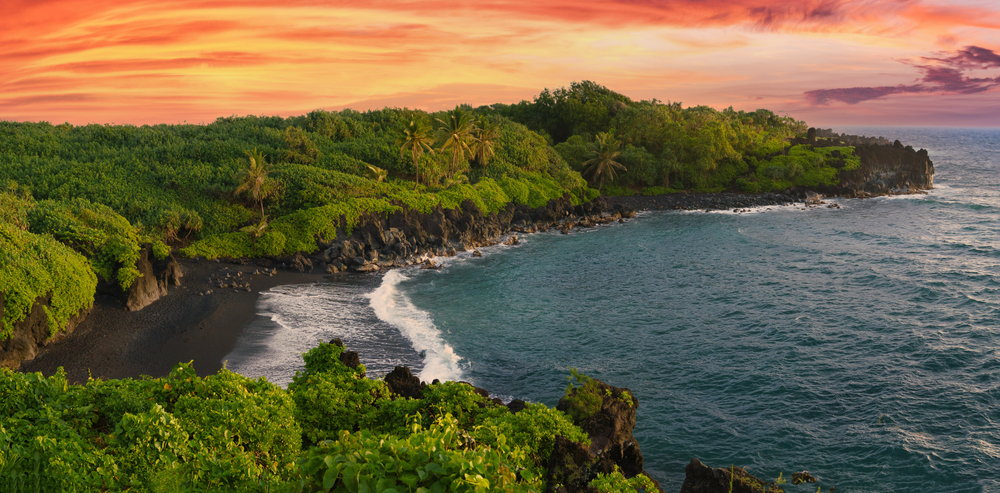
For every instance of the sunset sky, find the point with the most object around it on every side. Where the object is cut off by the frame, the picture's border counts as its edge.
(833, 62)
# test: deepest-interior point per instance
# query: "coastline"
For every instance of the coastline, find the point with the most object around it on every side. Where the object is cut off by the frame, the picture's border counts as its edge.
(187, 325)
(182, 326)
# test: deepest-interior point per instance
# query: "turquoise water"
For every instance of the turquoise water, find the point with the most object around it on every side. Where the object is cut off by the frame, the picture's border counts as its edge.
(859, 344)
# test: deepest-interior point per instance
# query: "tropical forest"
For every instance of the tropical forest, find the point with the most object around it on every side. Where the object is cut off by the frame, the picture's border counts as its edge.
(78, 204)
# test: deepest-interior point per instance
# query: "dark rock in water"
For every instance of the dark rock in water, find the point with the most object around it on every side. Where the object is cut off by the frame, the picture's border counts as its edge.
(610, 431)
(610, 428)
(516, 406)
(402, 382)
(430, 264)
(700, 478)
(803, 477)
(477, 253)
(337, 342)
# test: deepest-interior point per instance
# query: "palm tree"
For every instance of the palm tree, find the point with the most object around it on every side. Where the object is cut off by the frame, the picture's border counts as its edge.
(602, 165)
(455, 134)
(484, 133)
(254, 179)
(416, 139)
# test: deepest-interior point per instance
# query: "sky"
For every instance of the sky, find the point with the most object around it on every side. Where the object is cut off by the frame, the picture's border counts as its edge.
(828, 62)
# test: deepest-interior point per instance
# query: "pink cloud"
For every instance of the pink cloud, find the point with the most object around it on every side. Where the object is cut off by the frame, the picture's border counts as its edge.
(946, 74)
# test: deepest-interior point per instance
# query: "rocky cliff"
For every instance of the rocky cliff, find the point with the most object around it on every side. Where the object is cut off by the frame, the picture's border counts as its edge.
(33, 332)
(408, 236)
(885, 168)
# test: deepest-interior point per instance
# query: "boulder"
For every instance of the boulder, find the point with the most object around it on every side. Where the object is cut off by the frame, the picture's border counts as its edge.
(516, 406)
(404, 383)
(700, 478)
(610, 427)
(813, 198)
(350, 359)
(610, 430)
(299, 263)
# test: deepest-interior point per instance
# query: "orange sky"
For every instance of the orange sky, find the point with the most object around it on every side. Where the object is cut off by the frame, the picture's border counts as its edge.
(830, 62)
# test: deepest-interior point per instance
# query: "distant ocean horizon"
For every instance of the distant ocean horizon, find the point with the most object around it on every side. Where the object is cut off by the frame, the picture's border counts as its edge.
(860, 343)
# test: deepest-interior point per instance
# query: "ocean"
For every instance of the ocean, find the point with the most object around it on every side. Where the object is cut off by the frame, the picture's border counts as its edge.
(860, 343)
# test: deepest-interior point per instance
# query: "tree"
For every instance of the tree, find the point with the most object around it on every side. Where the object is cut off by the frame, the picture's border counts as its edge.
(454, 135)
(254, 179)
(416, 139)
(484, 134)
(602, 164)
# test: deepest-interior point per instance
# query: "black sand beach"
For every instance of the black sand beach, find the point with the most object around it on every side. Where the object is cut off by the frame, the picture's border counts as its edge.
(182, 326)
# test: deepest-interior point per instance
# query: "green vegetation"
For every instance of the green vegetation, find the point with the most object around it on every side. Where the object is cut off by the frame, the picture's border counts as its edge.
(33, 266)
(272, 186)
(332, 430)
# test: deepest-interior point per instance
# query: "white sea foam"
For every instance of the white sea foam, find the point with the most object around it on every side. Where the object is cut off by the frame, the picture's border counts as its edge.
(393, 307)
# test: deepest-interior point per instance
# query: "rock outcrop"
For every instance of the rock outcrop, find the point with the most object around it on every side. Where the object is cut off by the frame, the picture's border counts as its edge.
(33, 332)
(612, 444)
(156, 276)
(403, 382)
(885, 168)
(700, 478)
(408, 236)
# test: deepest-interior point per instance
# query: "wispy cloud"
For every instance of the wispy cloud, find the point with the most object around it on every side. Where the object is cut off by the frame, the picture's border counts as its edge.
(150, 60)
(943, 74)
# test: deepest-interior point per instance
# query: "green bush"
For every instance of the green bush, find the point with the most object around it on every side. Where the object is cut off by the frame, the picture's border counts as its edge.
(584, 400)
(534, 429)
(34, 266)
(104, 237)
(436, 458)
(15, 202)
(331, 397)
(657, 191)
(616, 483)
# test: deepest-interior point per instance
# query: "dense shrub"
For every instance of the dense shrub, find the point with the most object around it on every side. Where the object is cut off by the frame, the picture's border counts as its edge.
(33, 266)
(434, 458)
(103, 236)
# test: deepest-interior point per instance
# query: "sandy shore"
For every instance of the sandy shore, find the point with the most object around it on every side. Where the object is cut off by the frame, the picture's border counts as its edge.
(182, 326)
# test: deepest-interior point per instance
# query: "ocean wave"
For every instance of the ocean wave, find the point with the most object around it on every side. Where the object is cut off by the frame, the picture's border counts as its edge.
(393, 307)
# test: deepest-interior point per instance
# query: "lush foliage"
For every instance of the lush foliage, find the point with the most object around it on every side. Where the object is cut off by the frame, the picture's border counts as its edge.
(332, 430)
(33, 266)
(182, 432)
(96, 231)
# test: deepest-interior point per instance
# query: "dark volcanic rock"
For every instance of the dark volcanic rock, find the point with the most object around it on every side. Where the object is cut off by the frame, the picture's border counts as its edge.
(33, 332)
(612, 443)
(350, 359)
(573, 466)
(156, 276)
(610, 428)
(516, 406)
(700, 478)
(402, 382)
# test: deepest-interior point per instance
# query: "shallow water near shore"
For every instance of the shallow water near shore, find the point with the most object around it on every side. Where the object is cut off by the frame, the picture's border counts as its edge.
(860, 344)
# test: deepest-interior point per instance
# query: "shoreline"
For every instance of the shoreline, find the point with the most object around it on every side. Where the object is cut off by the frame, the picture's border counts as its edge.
(182, 326)
(187, 325)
